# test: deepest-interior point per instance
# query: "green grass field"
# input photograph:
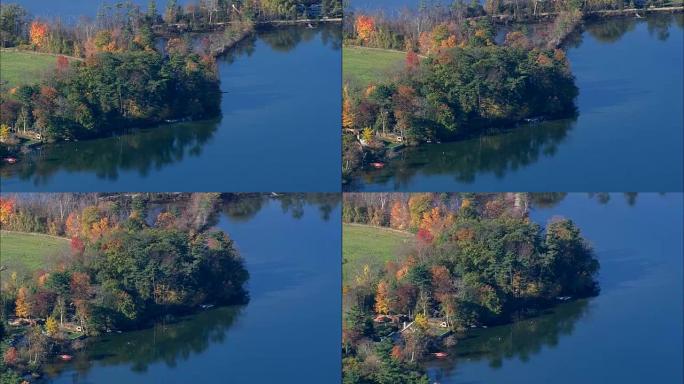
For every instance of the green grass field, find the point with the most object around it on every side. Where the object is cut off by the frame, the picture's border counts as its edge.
(24, 67)
(374, 246)
(26, 252)
(367, 65)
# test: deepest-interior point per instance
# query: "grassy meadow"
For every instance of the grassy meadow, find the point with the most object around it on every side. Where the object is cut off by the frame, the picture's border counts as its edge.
(366, 65)
(27, 252)
(21, 67)
(372, 246)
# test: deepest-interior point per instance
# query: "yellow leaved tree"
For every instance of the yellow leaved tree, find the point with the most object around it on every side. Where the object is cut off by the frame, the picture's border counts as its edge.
(21, 305)
(51, 326)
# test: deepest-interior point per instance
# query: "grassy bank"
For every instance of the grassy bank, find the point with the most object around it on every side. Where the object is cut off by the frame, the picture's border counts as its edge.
(367, 245)
(366, 65)
(27, 252)
(23, 67)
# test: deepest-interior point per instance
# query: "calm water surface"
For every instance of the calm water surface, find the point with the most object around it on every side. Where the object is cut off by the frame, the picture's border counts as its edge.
(630, 333)
(291, 324)
(279, 128)
(627, 136)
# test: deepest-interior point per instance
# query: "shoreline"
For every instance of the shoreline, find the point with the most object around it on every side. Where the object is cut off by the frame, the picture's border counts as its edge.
(601, 13)
(549, 17)
(259, 26)
(164, 30)
(437, 341)
(388, 153)
(71, 345)
(22, 149)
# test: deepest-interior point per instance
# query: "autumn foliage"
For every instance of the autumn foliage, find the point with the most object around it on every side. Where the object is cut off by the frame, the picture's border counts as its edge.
(399, 216)
(348, 118)
(77, 245)
(6, 210)
(382, 304)
(412, 60)
(434, 222)
(51, 326)
(365, 26)
(62, 63)
(396, 352)
(11, 356)
(424, 236)
(38, 33)
(22, 307)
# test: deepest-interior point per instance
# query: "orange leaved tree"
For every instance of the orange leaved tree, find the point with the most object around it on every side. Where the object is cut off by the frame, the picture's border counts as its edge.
(38, 33)
(365, 25)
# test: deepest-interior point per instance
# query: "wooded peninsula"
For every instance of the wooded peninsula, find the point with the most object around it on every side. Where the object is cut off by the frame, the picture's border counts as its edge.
(458, 261)
(445, 73)
(128, 67)
(118, 262)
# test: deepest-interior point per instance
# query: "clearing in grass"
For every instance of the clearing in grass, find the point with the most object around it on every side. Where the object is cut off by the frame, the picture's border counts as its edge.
(21, 67)
(26, 252)
(367, 245)
(366, 65)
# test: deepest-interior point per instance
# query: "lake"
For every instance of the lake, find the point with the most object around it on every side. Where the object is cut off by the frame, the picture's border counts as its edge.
(291, 325)
(279, 129)
(627, 135)
(630, 333)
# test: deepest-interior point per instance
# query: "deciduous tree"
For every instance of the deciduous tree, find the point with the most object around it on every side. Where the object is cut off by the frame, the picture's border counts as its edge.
(22, 308)
(382, 300)
(51, 326)
(38, 33)
(6, 210)
(365, 26)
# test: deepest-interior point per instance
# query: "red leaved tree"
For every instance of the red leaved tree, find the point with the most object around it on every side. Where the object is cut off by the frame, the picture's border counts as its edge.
(62, 64)
(412, 60)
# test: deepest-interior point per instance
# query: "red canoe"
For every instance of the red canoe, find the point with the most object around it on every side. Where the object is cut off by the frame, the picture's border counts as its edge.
(440, 355)
(65, 357)
(10, 160)
(377, 165)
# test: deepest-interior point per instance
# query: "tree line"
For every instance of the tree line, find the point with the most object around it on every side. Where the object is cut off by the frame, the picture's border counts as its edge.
(17, 25)
(404, 27)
